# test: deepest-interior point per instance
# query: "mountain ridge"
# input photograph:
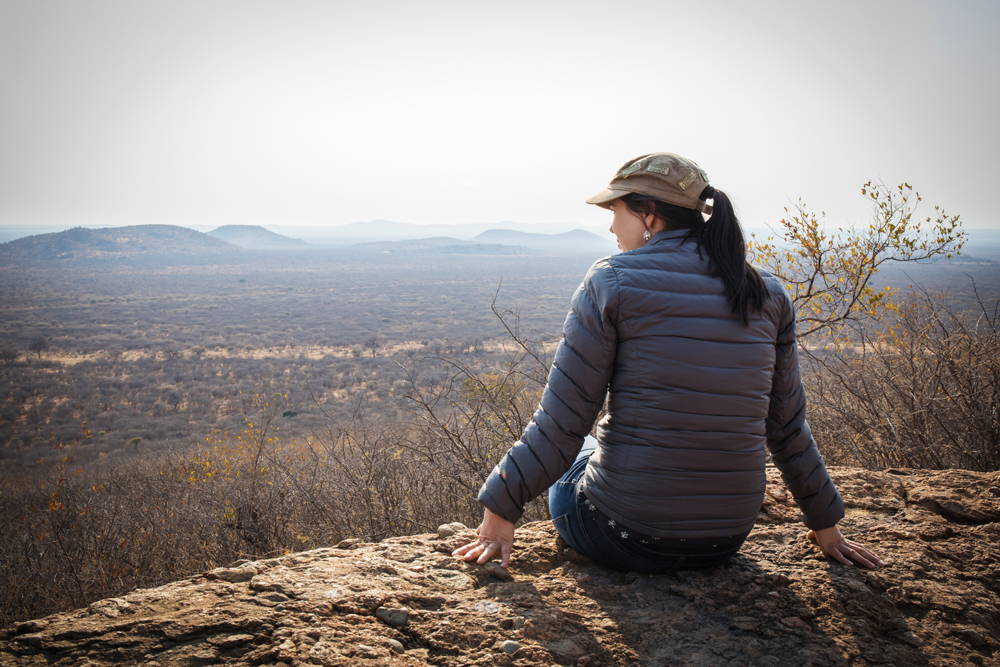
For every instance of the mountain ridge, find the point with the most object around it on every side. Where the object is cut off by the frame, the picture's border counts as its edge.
(111, 243)
(166, 241)
(577, 240)
(379, 230)
(256, 237)
(442, 245)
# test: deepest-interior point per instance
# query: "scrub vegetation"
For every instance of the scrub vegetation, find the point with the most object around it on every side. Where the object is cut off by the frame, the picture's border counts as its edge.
(162, 418)
(895, 379)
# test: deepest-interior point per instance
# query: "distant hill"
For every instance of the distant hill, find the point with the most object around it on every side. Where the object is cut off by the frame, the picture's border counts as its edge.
(357, 232)
(443, 245)
(388, 230)
(576, 240)
(256, 237)
(501, 242)
(79, 243)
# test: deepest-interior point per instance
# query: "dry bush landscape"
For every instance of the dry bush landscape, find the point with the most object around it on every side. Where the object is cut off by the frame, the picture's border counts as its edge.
(160, 418)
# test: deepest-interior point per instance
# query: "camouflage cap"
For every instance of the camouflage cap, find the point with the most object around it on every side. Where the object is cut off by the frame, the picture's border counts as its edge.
(665, 176)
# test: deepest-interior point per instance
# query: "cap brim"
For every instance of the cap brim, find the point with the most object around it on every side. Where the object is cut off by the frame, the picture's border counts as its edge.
(606, 196)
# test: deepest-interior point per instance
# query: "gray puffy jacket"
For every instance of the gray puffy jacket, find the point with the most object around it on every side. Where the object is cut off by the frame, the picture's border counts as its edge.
(694, 396)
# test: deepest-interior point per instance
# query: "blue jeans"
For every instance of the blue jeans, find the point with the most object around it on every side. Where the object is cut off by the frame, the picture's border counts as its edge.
(592, 534)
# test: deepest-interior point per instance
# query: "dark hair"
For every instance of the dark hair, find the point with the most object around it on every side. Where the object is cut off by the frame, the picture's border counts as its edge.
(721, 237)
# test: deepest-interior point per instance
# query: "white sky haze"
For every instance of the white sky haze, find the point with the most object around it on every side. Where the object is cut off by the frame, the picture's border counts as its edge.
(317, 113)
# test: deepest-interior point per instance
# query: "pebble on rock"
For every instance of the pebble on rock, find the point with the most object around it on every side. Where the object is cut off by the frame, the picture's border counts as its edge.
(447, 530)
(510, 646)
(395, 617)
(205, 657)
(233, 575)
(396, 646)
(365, 651)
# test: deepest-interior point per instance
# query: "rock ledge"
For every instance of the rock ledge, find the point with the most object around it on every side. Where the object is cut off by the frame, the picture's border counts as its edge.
(405, 601)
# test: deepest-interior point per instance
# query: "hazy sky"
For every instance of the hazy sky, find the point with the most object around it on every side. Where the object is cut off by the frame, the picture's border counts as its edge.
(308, 112)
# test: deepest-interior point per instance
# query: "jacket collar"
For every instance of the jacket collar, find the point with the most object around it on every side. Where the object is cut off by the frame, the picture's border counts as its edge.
(667, 236)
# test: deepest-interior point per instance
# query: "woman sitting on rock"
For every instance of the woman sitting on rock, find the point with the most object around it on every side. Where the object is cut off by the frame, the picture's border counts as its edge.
(695, 351)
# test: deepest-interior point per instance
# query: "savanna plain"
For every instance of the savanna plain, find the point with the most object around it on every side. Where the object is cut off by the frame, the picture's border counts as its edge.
(162, 416)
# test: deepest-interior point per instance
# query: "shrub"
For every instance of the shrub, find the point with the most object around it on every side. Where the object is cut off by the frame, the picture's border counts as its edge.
(918, 389)
(891, 382)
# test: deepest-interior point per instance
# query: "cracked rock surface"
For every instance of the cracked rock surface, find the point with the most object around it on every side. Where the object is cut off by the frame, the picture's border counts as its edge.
(405, 601)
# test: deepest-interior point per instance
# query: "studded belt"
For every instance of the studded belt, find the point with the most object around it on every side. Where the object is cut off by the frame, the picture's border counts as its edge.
(669, 545)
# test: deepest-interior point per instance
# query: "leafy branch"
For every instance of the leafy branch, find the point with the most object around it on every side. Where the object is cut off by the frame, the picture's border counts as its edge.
(829, 274)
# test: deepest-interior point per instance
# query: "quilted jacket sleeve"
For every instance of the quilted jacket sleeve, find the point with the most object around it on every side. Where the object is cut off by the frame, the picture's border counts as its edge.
(577, 385)
(789, 439)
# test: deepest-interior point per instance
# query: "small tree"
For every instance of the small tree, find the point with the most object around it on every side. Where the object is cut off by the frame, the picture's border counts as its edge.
(173, 399)
(374, 343)
(898, 381)
(38, 344)
(828, 274)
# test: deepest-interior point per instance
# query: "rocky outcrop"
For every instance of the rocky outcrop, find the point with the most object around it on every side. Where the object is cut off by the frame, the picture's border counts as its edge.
(406, 601)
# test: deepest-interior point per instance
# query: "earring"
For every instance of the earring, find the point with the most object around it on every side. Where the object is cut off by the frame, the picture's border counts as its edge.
(646, 235)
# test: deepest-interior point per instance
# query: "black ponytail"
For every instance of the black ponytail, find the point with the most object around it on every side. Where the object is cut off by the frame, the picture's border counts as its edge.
(721, 238)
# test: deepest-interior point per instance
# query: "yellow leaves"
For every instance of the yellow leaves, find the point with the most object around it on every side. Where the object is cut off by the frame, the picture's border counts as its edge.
(54, 504)
(827, 274)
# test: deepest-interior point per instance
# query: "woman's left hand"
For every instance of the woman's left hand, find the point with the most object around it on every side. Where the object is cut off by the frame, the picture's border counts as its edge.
(834, 545)
(496, 536)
